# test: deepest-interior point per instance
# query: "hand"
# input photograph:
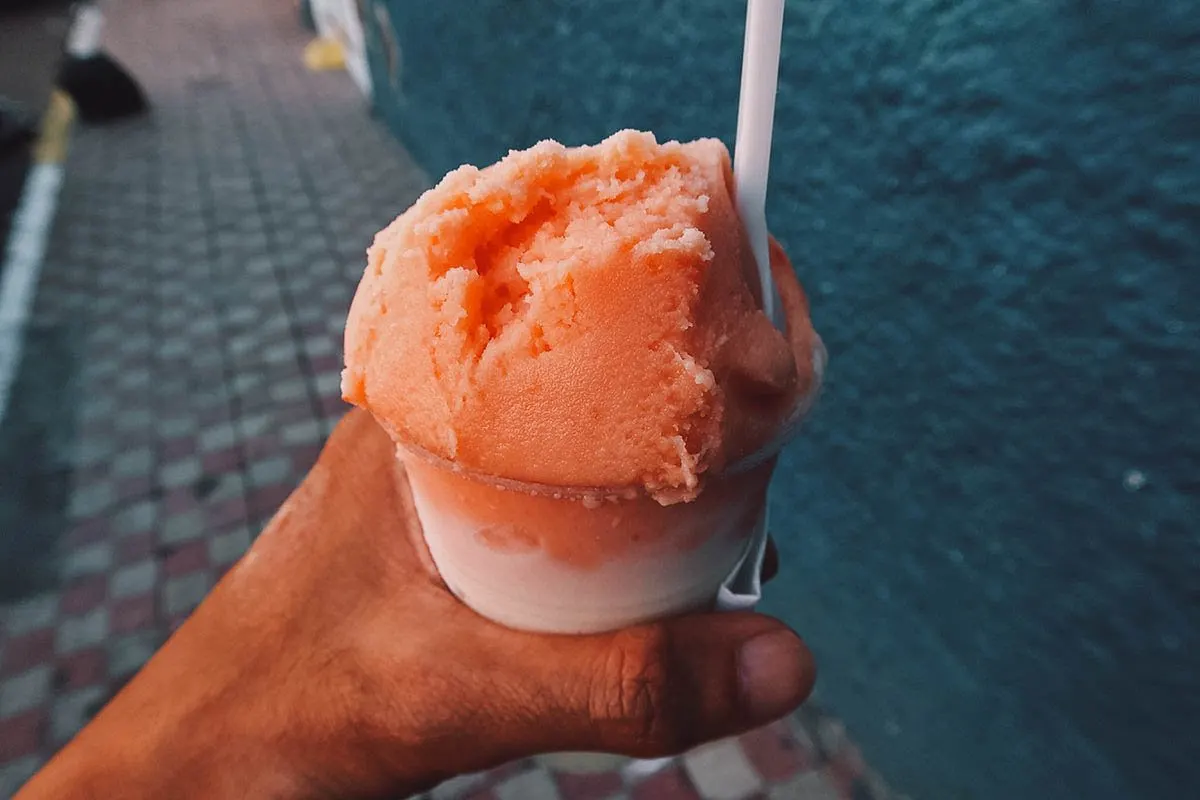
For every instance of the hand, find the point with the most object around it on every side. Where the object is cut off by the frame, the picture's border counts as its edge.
(332, 662)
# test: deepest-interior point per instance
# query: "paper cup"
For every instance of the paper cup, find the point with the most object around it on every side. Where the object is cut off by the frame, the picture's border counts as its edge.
(562, 560)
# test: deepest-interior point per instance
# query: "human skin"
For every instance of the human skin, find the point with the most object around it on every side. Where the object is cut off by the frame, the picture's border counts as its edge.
(332, 662)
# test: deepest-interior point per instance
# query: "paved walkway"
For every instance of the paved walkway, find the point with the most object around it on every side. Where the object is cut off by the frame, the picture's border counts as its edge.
(181, 372)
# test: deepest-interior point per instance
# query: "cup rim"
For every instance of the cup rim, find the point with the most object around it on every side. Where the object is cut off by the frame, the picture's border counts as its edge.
(787, 432)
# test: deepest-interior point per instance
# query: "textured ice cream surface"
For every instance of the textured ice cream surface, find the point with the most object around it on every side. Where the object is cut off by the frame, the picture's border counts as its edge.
(577, 317)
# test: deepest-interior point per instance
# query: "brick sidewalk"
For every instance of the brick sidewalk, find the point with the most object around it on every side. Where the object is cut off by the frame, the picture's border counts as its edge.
(199, 273)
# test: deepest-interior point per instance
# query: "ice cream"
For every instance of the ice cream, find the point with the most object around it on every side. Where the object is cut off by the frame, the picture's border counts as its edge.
(568, 349)
(577, 316)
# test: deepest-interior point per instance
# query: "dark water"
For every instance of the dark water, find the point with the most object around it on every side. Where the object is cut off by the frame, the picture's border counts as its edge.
(992, 529)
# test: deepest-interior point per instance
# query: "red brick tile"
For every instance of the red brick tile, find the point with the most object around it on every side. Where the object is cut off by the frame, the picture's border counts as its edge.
(325, 363)
(84, 595)
(21, 735)
(85, 668)
(227, 512)
(87, 531)
(30, 650)
(134, 547)
(257, 401)
(131, 614)
(173, 449)
(137, 439)
(216, 415)
(262, 446)
(134, 488)
(186, 558)
(221, 461)
(669, 784)
(266, 501)
(775, 754)
(93, 473)
(177, 501)
(299, 411)
(500, 773)
(334, 405)
(594, 786)
(481, 794)
(304, 457)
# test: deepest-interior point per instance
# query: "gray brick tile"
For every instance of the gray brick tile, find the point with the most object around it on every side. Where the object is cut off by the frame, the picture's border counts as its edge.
(91, 450)
(133, 579)
(182, 527)
(320, 346)
(721, 771)
(134, 418)
(88, 560)
(133, 380)
(256, 424)
(329, 382)
(184, 472)
(289, 390)
(280, 353)
(90, 500)
(229, 485)
(136, 518)
(30, 615)
(248, 382)
(181, 595)
(14, 774)
(226, 548)
(218, 437)
(172, 427)
(137, 461)
(270, 471)
(535, 784)
(70, 712)
(127, 654)
(25, 691)
(306, 432)
(77, 633)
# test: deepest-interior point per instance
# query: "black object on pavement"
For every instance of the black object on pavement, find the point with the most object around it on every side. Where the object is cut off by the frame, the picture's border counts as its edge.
(102, 89)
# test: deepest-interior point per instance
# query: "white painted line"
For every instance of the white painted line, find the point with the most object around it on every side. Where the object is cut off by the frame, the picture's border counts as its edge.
(23, 265)
(83, 40)
(34, 217)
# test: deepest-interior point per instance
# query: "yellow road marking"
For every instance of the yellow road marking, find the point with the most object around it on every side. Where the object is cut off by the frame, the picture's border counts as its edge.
(324, 54)
(51, 147)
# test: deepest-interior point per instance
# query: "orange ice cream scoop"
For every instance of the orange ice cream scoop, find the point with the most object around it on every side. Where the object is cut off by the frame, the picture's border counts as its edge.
(583, 317)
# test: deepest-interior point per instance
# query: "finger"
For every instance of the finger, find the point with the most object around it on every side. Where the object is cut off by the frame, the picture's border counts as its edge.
(770, 565)
(651, 690)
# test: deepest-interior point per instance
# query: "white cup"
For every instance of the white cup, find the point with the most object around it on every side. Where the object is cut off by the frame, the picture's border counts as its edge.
(560, 560)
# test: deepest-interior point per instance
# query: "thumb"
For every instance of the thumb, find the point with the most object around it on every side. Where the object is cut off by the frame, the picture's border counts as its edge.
(657, 689)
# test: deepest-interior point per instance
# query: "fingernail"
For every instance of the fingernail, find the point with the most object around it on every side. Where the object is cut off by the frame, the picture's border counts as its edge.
(771, 669)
